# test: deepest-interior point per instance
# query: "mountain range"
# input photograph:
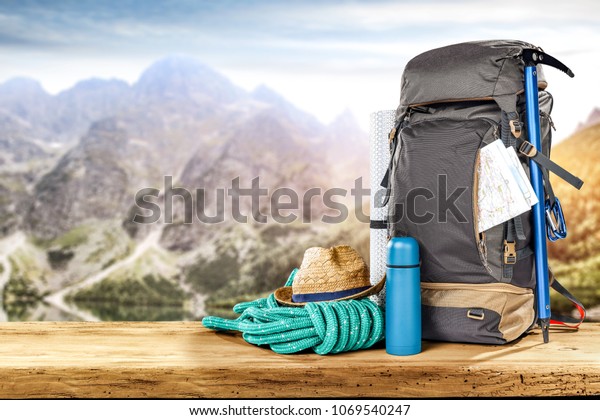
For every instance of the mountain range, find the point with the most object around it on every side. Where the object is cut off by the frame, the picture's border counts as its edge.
(72, 163)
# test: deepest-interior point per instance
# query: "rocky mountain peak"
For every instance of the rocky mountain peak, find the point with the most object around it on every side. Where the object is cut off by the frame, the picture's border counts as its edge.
(22, 86)
(108, 125)
(308, 124)
(345, 121)
(96, 85)
(345, 131)
(25, 99)
(177, 77)
(593, 119)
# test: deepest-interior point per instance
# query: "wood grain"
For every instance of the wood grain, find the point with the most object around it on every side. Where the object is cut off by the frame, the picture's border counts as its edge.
(184, 360)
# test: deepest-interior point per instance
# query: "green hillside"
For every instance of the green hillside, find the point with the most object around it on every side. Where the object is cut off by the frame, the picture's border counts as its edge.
(576, 259)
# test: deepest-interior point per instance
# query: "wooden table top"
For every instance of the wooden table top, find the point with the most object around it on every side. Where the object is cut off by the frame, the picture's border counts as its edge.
(185, 360)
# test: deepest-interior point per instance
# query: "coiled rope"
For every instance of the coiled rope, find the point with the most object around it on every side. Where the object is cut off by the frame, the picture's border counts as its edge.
(326, 327)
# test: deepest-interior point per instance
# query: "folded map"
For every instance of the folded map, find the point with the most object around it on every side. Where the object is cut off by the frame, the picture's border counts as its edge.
(504, 190)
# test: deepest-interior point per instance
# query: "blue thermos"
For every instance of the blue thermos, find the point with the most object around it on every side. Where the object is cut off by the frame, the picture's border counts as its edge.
(403, 298)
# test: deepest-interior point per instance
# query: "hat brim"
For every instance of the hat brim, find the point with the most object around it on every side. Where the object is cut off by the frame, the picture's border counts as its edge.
(283, 295)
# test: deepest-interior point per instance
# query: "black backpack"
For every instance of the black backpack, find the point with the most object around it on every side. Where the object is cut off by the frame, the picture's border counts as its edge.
(476, 287)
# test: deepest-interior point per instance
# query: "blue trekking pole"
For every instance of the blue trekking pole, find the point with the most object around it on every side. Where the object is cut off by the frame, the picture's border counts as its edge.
(531, 58)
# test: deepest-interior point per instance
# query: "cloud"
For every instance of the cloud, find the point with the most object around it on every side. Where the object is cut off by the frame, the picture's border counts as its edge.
(276, 27)
(322, 55)
(390, 15)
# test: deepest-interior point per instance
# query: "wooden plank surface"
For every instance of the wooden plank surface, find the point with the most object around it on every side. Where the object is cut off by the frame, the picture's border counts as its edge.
(184, 360)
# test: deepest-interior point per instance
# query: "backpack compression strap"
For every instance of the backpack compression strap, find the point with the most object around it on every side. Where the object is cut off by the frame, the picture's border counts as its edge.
(385, 182)
(534, 154)
(378, 224)
(510, 130)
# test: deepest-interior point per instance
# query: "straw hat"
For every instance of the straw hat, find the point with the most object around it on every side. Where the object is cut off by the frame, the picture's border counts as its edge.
(337, 273)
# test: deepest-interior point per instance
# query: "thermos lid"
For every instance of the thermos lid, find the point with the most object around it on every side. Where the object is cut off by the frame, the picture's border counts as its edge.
(403, 251)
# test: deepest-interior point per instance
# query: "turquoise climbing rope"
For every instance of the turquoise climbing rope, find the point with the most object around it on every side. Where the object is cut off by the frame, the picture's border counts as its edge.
(326, 327)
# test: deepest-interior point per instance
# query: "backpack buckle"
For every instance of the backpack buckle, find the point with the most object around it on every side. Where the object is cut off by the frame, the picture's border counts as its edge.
(527, 149)
(476, 313)
(516, 128)
(510, 252)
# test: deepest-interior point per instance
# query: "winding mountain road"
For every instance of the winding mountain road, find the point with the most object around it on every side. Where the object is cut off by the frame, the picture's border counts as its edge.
(57, 299)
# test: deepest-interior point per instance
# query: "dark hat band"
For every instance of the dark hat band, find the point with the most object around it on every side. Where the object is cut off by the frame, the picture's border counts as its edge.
(317, 297)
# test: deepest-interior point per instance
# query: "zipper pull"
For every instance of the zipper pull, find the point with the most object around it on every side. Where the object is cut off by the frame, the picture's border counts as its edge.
(549, 118)
(495, 133)
(482, 244)
(421, 109)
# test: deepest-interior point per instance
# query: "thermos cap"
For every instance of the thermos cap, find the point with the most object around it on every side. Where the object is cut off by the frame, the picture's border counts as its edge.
(403, 251)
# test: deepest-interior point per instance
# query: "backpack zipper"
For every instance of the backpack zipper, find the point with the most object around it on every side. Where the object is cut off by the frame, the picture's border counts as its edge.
(480, 236)
(489, 287)
(494, 124)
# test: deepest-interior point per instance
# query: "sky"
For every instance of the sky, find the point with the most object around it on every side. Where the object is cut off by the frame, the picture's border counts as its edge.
(323, 56)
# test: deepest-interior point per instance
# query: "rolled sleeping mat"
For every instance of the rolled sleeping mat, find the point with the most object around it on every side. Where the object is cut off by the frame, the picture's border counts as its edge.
(382, 123)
